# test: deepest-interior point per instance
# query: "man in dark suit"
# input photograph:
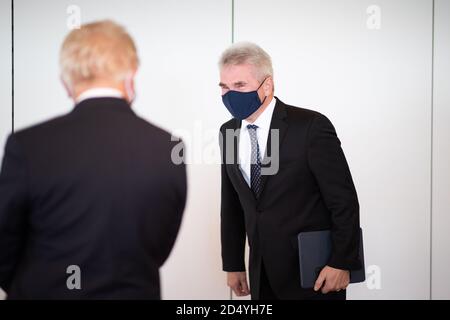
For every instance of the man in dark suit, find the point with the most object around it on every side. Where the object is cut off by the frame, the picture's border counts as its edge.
(90, 202)
(283, 173)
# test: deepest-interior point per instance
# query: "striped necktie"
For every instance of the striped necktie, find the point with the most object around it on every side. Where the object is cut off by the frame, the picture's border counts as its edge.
(255, 164)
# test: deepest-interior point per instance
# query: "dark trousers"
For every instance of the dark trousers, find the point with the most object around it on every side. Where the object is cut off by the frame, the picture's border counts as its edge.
(266, 292)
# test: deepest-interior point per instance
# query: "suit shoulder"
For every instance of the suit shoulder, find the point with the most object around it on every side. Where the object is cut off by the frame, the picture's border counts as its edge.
(230, 124)
(304, 115)
(154, 130)
(44, 126)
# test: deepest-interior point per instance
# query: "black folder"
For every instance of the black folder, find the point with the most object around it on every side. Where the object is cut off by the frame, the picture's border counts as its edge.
(314, 250)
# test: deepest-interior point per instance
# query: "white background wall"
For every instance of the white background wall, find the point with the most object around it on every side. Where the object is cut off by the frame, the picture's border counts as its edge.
(5, 74)
(374, 84)
(177, 89)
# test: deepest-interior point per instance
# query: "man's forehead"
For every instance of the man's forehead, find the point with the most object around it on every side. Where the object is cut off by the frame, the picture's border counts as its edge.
(237, 73)
(238, 68)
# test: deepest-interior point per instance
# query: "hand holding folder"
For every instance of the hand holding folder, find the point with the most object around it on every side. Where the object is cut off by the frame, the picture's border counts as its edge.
(314, 252)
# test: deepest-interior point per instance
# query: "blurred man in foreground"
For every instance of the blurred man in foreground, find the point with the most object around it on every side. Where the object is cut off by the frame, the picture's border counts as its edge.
(90, 202)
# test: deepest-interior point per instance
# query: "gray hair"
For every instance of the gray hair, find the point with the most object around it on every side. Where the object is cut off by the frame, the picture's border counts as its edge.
(248, 53)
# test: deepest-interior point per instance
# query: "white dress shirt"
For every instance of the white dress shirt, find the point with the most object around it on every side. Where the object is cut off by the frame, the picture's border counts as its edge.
(262, 134)
(99, 93)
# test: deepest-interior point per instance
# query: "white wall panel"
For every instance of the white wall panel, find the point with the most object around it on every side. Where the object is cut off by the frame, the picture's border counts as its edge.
(375, 86)
(5, 74)
(179, 43)
(5, 78)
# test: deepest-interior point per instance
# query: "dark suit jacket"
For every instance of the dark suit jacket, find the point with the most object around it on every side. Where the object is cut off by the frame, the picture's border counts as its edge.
(312, 190)
(95, 188)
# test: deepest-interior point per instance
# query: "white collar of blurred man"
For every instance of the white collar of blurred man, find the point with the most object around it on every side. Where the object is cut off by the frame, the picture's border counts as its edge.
(104, 89)
(104, 92)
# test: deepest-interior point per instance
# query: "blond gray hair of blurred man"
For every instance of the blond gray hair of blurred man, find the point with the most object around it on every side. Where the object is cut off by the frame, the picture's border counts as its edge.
(91, 201)
(310, 189)
(99, 55)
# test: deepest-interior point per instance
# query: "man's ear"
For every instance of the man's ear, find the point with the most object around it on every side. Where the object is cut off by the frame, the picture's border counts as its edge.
(268, 86)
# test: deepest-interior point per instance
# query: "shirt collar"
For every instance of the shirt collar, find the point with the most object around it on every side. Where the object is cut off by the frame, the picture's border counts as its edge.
(101, 92)
(265, 118)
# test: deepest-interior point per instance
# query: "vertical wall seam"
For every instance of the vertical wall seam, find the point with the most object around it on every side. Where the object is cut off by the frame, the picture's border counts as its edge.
(431, 148)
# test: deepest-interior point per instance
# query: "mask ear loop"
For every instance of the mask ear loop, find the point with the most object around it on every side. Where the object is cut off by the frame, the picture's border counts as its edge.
(265, 97)
(131, 94)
